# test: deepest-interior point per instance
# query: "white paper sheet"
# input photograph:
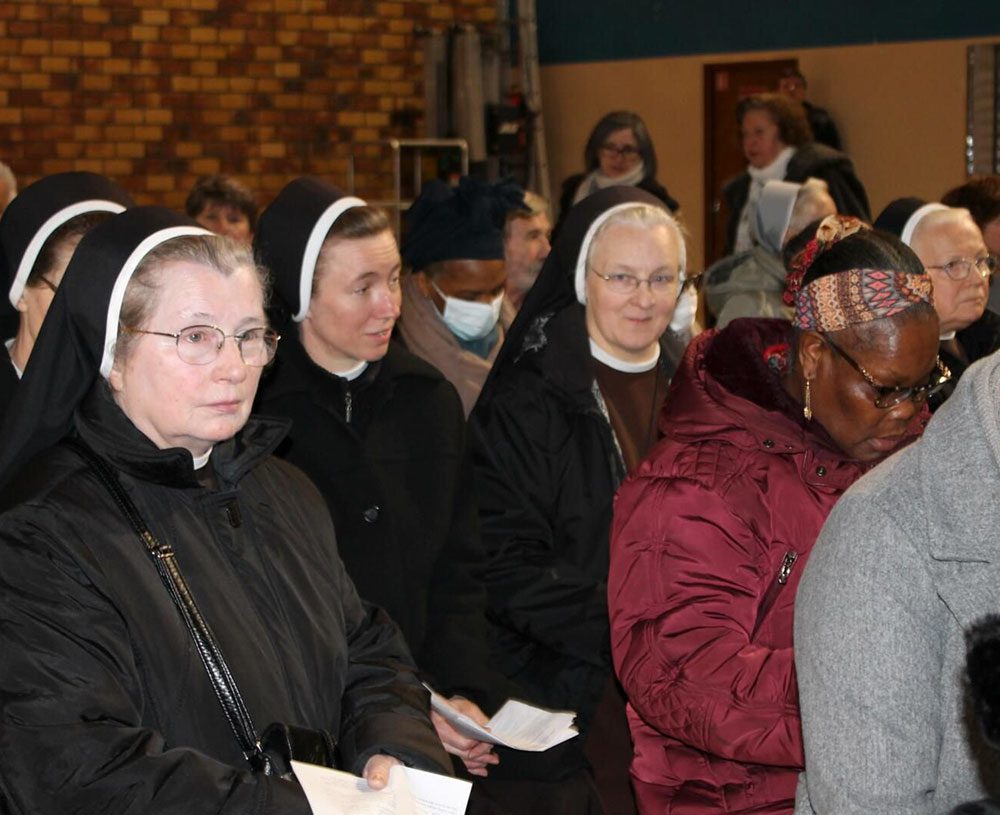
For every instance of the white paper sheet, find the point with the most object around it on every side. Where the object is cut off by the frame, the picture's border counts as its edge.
(409, 792)
(517, 724)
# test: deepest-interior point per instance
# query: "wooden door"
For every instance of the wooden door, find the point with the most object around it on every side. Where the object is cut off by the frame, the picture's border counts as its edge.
(725, 84)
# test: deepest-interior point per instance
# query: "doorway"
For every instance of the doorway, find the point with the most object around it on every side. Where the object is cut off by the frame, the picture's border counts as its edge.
(725, 84)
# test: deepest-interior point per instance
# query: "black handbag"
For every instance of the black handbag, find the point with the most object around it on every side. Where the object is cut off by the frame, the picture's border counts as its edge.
(279, 744)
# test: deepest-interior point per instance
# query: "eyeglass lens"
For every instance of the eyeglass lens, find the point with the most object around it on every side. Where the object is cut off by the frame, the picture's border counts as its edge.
(201, 344)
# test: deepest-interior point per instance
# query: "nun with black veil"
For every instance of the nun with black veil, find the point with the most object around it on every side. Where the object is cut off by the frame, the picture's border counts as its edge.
(175, 622)
(569, 408)
(39, 230)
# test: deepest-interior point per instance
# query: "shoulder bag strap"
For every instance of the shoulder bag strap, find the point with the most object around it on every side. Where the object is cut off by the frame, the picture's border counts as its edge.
(162, 555)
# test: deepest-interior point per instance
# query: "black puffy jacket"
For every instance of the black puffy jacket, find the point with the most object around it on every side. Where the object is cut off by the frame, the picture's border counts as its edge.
(397, 480)
(104, 703)
(547, 466)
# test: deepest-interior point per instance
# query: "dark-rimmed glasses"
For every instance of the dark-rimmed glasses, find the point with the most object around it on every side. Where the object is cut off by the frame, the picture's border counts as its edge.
(626, 151)
(202, 344)
(887, 396)
(961, 268)
(622, 283)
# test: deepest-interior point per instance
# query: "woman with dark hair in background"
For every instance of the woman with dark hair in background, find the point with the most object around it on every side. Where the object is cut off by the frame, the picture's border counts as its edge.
(223, 205)
(137, 486)
(765, 426)
(619, 152)
(38, 232)
(779, 146)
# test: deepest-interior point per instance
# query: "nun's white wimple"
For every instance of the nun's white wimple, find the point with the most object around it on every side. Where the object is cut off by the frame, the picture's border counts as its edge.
(121, 283)
(911, 223)
(45, 231)
(316, 237)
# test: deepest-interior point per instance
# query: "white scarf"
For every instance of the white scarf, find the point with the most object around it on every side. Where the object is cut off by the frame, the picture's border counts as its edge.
(759, 176)
(597, 180)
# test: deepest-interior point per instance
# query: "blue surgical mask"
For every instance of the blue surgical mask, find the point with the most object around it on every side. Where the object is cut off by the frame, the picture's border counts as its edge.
(467, 319)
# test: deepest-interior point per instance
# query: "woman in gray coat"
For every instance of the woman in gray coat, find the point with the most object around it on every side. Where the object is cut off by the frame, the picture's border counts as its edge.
(908, 560)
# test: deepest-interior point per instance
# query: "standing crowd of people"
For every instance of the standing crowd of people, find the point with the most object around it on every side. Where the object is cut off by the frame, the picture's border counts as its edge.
(266, 476)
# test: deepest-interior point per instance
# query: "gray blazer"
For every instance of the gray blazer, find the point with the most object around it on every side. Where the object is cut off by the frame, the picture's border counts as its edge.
(907, 560)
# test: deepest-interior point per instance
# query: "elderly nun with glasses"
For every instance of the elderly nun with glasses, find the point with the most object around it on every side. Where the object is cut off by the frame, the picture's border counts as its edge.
(175, 621)
(570, 407)
(951, 246)
(765, 426)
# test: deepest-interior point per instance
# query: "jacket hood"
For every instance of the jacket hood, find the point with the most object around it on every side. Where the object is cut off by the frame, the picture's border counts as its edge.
(958, 463)
(723, 380)
(726, 389)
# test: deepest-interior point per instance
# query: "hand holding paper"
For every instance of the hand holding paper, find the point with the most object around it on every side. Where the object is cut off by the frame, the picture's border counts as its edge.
(477, 755)
(408, 792)
(516, 724)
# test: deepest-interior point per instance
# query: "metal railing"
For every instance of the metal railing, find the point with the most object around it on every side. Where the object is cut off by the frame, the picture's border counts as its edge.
(398, 146)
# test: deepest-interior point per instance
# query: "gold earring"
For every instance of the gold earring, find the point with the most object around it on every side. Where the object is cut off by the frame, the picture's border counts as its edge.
(807, 410)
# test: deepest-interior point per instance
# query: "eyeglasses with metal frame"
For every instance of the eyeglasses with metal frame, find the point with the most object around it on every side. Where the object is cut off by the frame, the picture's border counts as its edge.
(622, 283)
(202, 344)
(961, 268)
(886, 396)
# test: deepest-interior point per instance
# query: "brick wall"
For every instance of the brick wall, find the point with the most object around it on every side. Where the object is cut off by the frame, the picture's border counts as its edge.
(155, 93)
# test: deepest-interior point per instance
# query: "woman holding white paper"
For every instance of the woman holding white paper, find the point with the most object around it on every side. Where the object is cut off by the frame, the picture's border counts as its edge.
(134, 412)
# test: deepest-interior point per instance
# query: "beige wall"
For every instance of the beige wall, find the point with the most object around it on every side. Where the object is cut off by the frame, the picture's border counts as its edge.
(900, 109)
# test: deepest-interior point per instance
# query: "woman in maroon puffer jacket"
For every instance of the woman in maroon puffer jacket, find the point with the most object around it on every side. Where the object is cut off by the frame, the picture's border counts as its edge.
(765, 425)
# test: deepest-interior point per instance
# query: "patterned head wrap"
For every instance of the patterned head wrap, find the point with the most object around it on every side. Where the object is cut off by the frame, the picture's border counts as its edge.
(851, 297)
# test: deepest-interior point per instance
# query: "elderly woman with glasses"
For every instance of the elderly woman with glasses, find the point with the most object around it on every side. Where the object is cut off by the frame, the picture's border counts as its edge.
(951, 246)
(619, 152)
(765, 426)
(174, 618)
(570, 407)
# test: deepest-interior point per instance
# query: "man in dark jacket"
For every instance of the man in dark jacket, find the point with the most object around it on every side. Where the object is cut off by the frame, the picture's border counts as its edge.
(793, 84)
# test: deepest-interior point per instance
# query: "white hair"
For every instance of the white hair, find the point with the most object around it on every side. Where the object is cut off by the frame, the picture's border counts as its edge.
(811, 204)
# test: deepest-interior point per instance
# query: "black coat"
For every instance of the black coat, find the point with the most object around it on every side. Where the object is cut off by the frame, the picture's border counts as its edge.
(397, 480)
(978, 340)
(547, 468)
(104, 703)
(809, 161)
(821, 124)
(8, 383)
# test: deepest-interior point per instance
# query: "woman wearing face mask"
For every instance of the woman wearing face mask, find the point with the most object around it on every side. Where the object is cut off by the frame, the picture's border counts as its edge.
(779, 146)
(569, 408)
(454, 313)
(766, 425)
(38, 232)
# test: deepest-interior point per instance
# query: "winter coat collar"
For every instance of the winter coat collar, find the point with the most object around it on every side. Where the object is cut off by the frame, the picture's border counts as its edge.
(102, 425)
(559, 346)
(294, 373)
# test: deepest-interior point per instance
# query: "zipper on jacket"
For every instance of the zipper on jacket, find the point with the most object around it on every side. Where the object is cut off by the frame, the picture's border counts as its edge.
(786, 567)
(784, 572)
(348, 404)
